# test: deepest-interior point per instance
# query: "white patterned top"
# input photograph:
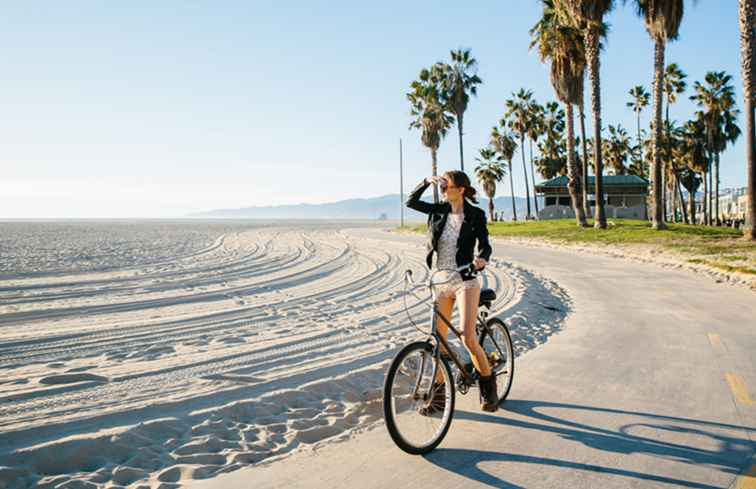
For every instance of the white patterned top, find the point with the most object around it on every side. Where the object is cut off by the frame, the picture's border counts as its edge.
(447, 242)
(447, 258)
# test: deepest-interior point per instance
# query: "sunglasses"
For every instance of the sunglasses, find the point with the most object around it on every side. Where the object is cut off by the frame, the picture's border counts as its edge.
(444, 184)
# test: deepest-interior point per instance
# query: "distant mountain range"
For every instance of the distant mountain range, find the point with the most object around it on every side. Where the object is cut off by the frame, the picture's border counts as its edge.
(383, 207)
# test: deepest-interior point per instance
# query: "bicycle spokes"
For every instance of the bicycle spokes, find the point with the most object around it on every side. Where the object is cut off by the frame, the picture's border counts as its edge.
(497, 344)
(418, 410)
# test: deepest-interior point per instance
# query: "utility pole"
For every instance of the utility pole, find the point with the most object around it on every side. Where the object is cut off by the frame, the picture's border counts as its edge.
(401, 184)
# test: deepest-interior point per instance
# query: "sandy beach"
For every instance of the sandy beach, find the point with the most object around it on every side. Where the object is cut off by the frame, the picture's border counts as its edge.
(147, 354)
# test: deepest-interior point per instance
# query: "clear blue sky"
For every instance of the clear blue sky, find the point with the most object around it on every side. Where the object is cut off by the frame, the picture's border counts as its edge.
(145, 110)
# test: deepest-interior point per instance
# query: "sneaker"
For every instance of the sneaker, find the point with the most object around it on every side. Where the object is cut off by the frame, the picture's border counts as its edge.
(437, 403)
(488, 394)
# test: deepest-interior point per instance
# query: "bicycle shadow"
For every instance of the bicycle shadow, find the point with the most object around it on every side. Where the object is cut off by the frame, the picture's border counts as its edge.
(732, 455)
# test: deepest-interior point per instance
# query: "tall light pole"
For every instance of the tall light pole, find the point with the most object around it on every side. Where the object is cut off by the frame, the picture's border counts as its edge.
(401, 184)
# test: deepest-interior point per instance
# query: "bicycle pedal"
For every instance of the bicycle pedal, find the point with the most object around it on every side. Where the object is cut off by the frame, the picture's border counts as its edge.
(472, 372)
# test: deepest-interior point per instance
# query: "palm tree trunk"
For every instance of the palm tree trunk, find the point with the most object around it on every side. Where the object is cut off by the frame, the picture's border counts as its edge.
(640, 147)
(511, 190)
(592, 51)
(491, 214)
(663, 184)
(692, 205)
(711, 193)
(461, 152)
(525, 172)
(434, 172)
(747, 46)
(667, 202)
(573, 184)
(717, 222)
(532, 177)
(675, 200)
(658, 216)
(585, 156)
(749, 228)
(702, 209)
(668, 163)
(682, 203)
(706, 197)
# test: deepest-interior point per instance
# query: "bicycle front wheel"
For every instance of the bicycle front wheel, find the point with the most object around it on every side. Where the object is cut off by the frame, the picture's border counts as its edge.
(417, 410)
(500, 354)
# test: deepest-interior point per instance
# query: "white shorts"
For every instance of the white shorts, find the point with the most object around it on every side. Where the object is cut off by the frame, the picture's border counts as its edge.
(454, 286)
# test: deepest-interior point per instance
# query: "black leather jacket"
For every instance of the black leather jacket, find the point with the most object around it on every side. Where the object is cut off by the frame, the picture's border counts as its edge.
(473, 227)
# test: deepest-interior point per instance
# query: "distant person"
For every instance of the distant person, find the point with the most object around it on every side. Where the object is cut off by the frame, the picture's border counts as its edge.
(454, 225)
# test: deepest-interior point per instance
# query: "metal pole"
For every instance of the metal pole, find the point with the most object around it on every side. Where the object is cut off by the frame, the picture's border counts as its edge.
(401, 184)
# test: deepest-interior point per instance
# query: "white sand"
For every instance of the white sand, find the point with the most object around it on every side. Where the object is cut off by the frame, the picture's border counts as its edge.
(213, 347)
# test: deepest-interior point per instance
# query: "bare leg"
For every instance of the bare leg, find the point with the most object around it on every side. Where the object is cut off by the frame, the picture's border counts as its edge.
(445, 307)
(468, 312)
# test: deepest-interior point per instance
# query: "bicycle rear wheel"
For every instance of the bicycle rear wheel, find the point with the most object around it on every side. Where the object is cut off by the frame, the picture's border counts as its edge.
(417, 420)
(501, 358)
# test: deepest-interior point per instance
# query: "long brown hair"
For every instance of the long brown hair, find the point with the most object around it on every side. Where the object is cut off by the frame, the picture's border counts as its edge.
(461, 179)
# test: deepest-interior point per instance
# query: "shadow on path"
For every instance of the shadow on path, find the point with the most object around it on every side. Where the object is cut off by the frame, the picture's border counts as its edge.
(732, 455)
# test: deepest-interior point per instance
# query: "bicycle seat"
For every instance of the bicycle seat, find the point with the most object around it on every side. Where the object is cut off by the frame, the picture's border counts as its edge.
(487, 296)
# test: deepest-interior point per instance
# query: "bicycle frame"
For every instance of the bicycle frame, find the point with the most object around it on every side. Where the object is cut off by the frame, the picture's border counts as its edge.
(440, 341)
(482, 315)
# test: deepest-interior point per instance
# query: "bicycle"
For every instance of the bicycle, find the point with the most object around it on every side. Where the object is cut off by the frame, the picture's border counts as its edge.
(409, 383)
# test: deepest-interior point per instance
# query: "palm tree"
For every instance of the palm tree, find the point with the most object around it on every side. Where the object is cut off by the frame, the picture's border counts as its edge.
(553, 159)
(707, 172)
(693, 155)
(504, 143)
(585, 156)
(562, 45)
(553, 148)
(428, 111)
(535, 131)
(674, 85)
(672, 139)
(638, 103)
(718, 114)
(728, 135)
(591, 13)
(616, 149)
(489, 172)
(553, 128)
(517, 118)
(640, 167)
(648, 147)
(679, 168)
(461, 82)
(663, 19)
(747, 47)
(691, 181)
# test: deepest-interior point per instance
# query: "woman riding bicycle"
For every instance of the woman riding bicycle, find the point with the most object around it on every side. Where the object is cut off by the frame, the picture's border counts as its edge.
(454, 225)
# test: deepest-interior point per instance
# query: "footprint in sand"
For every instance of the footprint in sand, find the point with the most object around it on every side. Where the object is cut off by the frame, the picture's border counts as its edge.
(72, 379)
(230, 340)
(79, 369)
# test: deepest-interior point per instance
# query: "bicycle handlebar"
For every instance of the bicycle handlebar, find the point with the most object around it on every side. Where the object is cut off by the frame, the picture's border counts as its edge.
(469, 268)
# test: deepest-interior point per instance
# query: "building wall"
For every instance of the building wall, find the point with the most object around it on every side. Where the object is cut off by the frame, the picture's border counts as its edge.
(564, 212)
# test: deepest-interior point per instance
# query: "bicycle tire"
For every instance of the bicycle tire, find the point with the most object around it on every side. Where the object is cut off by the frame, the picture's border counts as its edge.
(503, 382)
(389, 411)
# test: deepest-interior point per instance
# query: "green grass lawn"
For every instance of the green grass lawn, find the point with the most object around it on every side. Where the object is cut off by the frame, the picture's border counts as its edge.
(721, 247)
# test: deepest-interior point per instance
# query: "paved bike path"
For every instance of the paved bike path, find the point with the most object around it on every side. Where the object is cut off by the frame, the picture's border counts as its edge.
(651, 383)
